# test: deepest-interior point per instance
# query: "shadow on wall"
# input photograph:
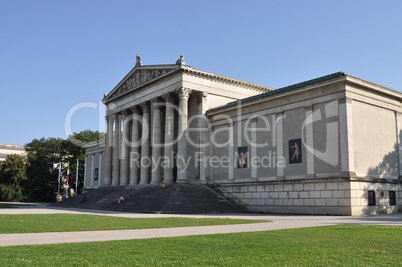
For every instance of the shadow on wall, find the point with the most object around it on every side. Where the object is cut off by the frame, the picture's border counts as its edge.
(388, 168)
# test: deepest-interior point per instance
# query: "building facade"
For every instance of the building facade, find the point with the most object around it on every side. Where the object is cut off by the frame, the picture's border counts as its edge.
(6, 150)
(325, 146)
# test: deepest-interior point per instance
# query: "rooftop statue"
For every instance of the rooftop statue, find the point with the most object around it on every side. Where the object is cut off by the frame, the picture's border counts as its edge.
(138, 62)
(180, 61)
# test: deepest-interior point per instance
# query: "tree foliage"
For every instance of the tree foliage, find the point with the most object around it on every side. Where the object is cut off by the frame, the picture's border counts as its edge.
(35, 177)
(13, 173)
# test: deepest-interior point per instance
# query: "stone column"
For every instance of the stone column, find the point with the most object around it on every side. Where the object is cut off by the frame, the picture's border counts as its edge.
(181, 160)
(169, 140)
(100, 169)
(203, 132)
(109, 150)
(346, 138)
(145, 159)
(87, 169)
(135, 147)
(124, 150)
(116, 151)
(92, 170)
(156, 142)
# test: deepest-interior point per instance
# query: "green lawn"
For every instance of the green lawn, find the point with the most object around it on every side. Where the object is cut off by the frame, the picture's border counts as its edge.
(34, 223)
(343, 245)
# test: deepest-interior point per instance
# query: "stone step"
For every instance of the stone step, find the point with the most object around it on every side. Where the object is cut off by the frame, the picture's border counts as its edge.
(175, 198)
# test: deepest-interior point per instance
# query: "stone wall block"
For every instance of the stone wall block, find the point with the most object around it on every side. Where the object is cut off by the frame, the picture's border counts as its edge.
(331, 186)
(298, 202)
(288, 202)
(278, 188)
(326, 194)
(309, 202)
(338, 194)
(288, 187)
(304, 194)
(273, 195)
(332, 202)
(315, 194)
(256, 195)
(319, 186)
(260, 188)
(308, 187)
(320, 202)
(293, 194)
(283, 194)
(298, 187)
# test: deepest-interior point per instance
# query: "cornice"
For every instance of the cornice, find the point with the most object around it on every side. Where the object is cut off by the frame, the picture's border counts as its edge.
(228, 80)
(174, 70)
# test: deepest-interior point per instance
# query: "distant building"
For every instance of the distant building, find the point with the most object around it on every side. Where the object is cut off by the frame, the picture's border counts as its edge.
(6, 150)
(331, 145)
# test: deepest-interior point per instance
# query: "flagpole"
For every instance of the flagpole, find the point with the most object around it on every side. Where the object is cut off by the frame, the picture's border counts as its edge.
(68, 179)
(76, 179)
(58, 180)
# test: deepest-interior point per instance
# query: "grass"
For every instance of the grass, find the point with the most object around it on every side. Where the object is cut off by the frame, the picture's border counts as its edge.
(342, 245)
(35, 223)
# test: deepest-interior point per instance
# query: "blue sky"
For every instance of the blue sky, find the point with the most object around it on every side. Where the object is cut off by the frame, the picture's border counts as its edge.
(57, 54)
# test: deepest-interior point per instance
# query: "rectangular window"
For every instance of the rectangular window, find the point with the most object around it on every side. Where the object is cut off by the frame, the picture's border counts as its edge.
(371, 198)
(392, 198)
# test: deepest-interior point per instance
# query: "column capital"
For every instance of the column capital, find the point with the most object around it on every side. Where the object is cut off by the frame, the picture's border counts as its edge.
(134, 110)
(125, 112)
(168, 98)
(184, 92)
(144, 107)
(202, 97)
(155, 103)
(116, 115)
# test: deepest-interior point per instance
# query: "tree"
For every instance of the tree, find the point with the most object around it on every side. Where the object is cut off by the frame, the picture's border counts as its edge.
(43, 154)
(13, 173)
(73, 147)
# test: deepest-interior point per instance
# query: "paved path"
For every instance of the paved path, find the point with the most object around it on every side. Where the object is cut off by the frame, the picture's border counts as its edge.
(277, 222)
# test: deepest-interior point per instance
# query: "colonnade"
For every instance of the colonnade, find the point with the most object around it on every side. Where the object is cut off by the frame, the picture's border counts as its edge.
(133, 156)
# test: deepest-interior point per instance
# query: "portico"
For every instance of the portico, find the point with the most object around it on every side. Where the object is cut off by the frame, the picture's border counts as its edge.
(148, 116)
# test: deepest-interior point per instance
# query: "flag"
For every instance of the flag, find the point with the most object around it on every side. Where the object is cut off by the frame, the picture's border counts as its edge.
(58, 179)
(68, 173)
(60, 170)
(76, 178)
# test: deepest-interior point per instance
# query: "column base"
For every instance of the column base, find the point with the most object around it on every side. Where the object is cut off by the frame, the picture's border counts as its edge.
(181, 181)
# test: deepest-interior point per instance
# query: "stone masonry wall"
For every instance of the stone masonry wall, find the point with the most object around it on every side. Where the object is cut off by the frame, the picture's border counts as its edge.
(309, 197)
(359, 197)
(333, 197)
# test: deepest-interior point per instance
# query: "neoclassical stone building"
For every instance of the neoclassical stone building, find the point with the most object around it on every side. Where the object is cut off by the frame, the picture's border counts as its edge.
(330, 145)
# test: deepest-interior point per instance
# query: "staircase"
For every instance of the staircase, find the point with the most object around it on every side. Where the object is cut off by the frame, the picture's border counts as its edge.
(175, 198)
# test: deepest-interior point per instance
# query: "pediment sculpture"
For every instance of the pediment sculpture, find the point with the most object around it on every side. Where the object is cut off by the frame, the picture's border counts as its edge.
(138, 78)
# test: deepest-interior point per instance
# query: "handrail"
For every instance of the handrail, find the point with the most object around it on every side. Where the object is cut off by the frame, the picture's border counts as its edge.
(226, 194)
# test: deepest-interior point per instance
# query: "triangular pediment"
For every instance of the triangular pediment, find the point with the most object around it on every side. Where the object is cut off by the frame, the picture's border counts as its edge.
(139, 76)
